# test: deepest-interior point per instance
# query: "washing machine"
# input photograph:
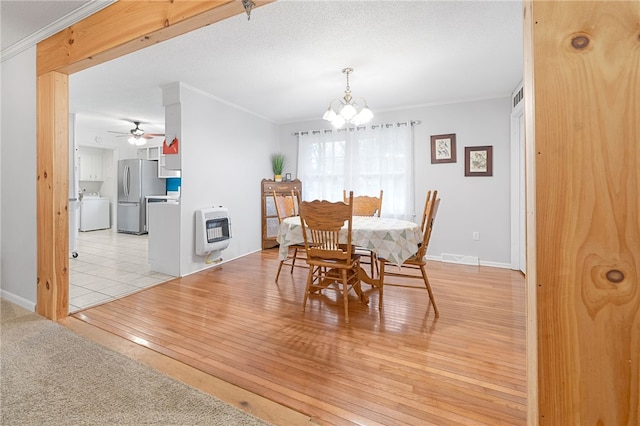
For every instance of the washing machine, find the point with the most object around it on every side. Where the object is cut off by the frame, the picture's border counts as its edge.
(94, 213)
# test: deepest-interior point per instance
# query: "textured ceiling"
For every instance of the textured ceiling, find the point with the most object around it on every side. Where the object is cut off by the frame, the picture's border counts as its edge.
(285, 63)
(24, 19)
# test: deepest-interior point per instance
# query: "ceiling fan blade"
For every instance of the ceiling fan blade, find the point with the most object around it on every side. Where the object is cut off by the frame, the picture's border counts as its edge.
(154, 134)
(121, 133)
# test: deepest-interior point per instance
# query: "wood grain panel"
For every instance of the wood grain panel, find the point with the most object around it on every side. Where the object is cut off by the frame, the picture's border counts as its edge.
(587, 133)
(128, 26)
(52, 196)
(398, 366)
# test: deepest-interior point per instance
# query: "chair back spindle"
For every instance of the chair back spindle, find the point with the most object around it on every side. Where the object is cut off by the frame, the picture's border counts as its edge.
(428, 218)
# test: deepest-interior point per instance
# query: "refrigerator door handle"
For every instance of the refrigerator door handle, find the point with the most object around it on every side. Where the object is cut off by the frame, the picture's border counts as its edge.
(125, 181)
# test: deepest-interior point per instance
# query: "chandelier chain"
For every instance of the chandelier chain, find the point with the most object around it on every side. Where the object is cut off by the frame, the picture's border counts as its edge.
(347, 92)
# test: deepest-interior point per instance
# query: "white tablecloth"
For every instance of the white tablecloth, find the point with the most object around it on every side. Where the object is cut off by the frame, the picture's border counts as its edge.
(392, 239)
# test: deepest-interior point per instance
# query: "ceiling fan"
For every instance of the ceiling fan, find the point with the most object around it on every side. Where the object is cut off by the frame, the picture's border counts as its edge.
(137, 136)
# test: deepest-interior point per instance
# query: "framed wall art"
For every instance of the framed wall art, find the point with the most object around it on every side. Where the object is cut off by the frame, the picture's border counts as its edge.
(478, 161)
(443, 148)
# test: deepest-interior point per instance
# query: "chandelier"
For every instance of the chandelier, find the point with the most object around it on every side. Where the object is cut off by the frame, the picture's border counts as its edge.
(347, 109)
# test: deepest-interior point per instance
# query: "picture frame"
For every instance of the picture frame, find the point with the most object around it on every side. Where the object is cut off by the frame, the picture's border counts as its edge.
(443, 148)
(478, 161)
(287, 177)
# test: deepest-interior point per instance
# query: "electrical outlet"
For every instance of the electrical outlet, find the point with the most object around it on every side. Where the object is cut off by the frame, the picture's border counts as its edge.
(476, 236)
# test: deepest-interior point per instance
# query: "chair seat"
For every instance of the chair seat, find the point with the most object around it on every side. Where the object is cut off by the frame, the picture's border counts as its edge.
(334, 263)
(415, 260)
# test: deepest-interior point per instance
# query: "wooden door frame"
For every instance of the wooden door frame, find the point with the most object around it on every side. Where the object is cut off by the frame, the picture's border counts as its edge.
(127, 26)
(120, 28)
(108, 34)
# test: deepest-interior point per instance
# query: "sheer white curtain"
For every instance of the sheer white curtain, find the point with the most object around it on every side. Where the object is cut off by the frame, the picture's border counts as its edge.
(363, 160)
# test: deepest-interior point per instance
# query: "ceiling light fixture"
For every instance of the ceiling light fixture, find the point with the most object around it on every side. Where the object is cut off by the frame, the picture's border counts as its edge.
(248, 5)
(348, 110)
(137, 140)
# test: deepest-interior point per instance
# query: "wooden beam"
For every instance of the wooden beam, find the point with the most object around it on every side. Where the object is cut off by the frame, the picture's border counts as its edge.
(586, 63)
(52, 195)
(127, 26)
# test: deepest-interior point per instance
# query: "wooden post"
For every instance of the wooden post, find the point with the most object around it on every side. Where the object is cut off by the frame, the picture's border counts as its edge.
(52, 195)
(583, 73)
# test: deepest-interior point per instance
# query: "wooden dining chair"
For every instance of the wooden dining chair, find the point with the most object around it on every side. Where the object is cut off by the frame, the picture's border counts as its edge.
(332, 265)
(418, 260)
(365, 205)
(287, 206)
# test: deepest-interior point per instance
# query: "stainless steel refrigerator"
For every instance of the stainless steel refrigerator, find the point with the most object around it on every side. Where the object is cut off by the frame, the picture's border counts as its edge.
(136, 179)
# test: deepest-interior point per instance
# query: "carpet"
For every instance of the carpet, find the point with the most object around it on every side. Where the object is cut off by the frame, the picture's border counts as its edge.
(52, 376)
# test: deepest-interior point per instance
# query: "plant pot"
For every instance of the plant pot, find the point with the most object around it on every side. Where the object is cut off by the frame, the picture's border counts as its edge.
(278, 178)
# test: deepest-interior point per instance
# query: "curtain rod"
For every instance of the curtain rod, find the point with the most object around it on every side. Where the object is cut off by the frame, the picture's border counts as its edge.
(373, 126)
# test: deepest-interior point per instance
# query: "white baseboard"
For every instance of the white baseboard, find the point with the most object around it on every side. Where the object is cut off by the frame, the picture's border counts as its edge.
(497, 265)
(460, 258)
(467, 260)
(218, 262)
(20, 301)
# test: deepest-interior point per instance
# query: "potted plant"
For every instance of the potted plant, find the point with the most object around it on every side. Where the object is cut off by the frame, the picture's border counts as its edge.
(277, 164)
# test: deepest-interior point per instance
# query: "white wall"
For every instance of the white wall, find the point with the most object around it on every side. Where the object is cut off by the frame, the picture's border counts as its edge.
(469, 204)
(18, 170)
(225, 154)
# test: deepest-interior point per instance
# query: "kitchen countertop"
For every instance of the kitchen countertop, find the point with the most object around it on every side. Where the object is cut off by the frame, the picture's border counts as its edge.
(163, 197)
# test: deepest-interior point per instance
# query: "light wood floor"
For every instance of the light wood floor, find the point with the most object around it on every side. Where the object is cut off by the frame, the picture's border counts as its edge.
(398, 367)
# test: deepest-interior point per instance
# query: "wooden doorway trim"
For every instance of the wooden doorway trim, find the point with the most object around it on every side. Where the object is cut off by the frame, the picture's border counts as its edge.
(587, 353)
(582, 97)
(121, 28)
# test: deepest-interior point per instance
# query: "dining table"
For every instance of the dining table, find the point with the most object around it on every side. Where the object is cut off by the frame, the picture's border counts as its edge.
(394, 240)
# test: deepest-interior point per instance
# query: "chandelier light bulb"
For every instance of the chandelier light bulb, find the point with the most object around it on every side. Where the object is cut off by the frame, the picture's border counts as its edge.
(363, 116)
(137, 140)
(329, 114)
(338, 121)
(348, 112)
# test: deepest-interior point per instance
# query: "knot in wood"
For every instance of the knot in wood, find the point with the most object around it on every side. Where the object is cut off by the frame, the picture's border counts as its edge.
(580, 42)
(615, 276)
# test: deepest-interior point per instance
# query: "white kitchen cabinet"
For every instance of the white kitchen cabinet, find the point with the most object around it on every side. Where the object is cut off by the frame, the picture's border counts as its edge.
(91, 168)
(163, 172)
(164, 237)
(149, 153)
(155, 153)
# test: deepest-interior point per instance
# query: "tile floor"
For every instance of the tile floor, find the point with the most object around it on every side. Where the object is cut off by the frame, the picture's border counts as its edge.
(109, 265)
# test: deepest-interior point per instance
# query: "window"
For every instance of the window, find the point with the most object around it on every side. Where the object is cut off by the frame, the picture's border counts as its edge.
(364, 161)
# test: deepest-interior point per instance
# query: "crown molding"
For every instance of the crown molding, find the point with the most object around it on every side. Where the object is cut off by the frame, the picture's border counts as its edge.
(66, 21)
